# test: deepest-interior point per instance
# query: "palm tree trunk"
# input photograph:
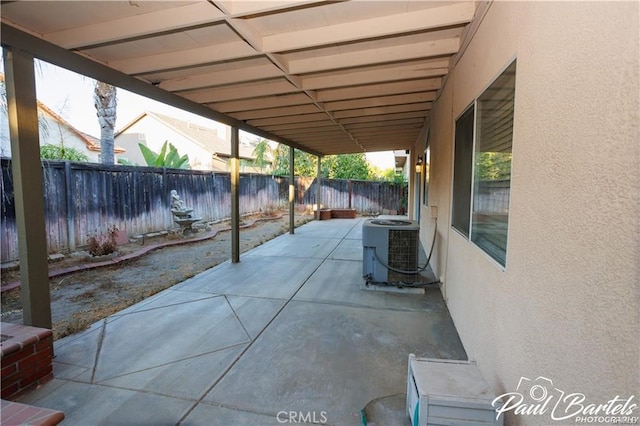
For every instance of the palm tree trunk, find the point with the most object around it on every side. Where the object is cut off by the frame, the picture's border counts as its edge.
(106, 102)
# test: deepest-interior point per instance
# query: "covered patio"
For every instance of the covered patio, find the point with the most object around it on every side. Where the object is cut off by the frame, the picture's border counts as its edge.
(560, 301)
(287, 330)
(321, 76)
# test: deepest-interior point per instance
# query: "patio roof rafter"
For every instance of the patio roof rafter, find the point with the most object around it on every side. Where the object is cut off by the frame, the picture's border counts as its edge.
(53, 54)
(258, 65)
(249, 34)
(325, 77)
(138, 26)
(399, 23)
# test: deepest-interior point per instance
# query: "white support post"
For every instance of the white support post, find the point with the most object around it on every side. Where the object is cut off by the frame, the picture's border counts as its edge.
(318, 187)
(28, 188)
(235, 196)
(292, 193)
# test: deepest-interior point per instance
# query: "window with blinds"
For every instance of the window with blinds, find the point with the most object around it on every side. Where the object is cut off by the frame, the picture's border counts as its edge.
(492, 165)
(462, 172)
(482, 167)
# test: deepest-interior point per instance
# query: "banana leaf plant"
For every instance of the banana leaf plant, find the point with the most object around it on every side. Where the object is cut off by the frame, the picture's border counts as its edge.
(167, 157)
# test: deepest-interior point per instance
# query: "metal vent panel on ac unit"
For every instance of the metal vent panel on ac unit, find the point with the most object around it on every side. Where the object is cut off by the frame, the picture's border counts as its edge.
(390, 250)
(449, 392)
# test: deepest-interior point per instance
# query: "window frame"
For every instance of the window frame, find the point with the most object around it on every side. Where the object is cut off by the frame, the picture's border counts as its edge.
(473, 184)
(466, 233)
(426, 171)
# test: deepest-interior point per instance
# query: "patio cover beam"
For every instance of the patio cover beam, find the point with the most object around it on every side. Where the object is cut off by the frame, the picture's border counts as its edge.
(420, 20)
(235, 195)
(28, 188)
(292, 192)
(41, 49)
(318, 187)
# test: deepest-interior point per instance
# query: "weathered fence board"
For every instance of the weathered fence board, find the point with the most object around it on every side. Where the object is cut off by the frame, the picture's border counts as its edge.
(492, 197)
(83, 199)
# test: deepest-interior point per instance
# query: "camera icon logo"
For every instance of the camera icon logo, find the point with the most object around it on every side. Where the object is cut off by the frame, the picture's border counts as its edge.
(539, 391)
(540, 397)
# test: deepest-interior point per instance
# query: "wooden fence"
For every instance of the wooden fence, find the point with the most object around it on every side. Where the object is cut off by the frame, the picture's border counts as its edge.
(83, 199)
(492, 197)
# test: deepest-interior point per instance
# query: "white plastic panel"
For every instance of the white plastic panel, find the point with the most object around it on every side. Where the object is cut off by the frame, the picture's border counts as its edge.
(448, 392)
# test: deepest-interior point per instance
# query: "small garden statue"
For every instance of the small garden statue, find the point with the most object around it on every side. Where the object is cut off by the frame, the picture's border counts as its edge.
(182, 214)
(176, 203)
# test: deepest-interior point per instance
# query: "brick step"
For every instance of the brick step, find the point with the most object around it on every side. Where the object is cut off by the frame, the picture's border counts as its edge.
(15, 413)
(27, 358)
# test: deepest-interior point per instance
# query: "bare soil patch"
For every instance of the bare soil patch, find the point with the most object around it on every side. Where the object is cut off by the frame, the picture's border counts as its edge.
(82, 298)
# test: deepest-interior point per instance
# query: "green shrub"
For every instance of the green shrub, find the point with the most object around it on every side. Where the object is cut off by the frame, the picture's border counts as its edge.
(60, 152)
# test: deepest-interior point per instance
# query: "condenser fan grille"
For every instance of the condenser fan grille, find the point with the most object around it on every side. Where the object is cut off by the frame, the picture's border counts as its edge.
(388, 245)
(403, 254)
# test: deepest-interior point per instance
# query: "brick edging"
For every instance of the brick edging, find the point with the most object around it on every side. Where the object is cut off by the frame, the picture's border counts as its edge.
(135, 254)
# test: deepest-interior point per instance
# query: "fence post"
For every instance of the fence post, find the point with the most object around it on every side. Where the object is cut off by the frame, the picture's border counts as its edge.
(163, 191)
(71, 211)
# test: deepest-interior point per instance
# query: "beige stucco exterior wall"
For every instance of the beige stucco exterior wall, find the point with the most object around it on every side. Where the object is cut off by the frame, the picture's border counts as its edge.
(53, 132)
(567, 305)
(440, 178)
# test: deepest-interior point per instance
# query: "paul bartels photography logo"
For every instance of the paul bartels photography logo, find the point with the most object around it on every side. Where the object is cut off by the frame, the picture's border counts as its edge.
(540, 397)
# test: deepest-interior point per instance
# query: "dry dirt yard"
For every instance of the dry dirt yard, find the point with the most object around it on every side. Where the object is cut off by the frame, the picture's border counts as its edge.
(82, 298)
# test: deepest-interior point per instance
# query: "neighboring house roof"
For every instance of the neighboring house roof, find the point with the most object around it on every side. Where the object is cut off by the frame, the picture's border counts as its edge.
(205, 137)
(93, 143)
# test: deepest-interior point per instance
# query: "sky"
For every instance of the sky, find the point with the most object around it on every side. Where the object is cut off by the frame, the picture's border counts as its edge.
(70, 95)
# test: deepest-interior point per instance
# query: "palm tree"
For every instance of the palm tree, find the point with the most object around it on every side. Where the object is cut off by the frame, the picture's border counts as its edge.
(261, 153)
(106, 102)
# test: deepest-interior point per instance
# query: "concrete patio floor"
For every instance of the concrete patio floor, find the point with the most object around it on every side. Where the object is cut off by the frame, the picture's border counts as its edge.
(288, 329)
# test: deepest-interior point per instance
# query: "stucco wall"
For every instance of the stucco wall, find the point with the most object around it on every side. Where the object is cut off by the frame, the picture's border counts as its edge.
(567, 305)
(440, 178)
(57, 134)
(51, 132)
(155, 134)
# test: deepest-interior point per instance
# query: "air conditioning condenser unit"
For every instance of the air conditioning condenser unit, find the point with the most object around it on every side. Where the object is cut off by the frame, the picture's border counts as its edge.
(390, 251)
